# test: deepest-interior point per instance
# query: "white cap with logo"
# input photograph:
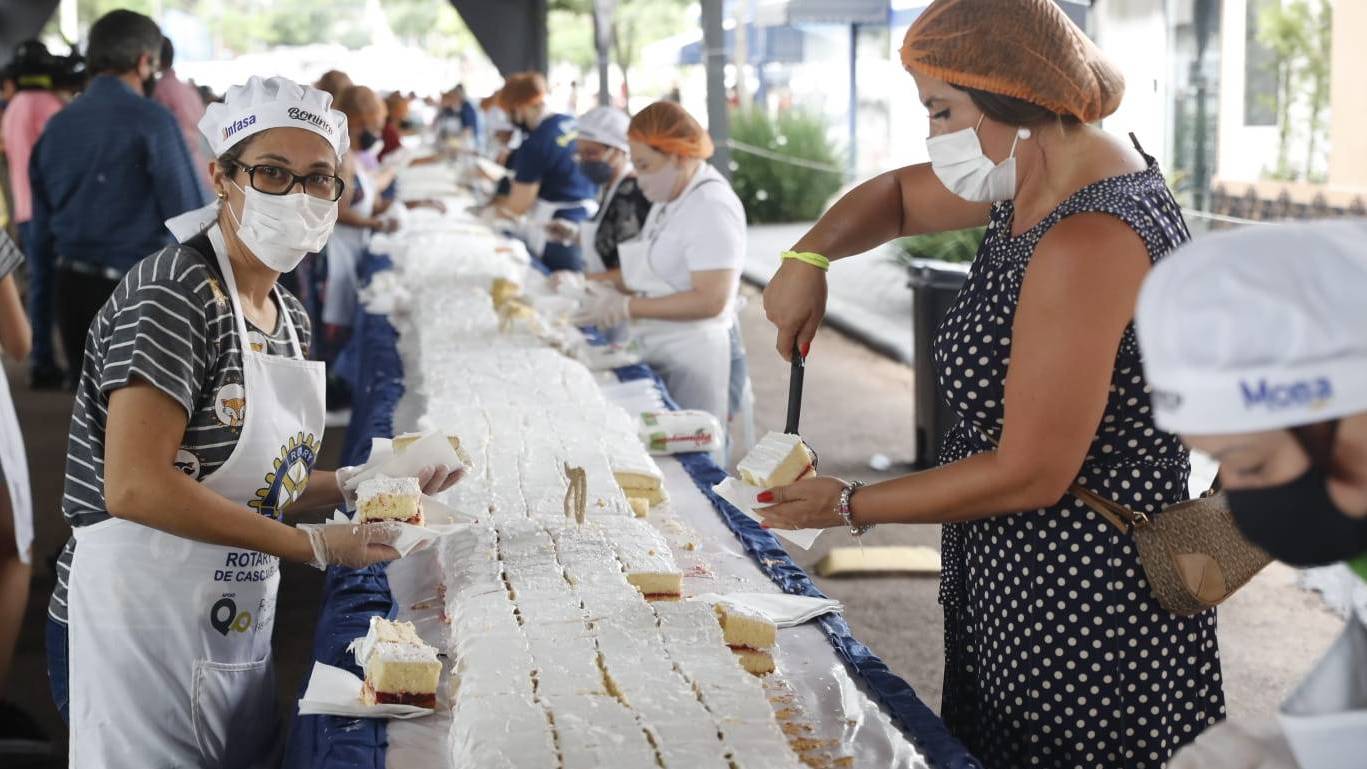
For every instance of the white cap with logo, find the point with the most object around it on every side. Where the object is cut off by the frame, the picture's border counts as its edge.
(605, 125)
(1261, 328)
(258, 106)
(275, 102)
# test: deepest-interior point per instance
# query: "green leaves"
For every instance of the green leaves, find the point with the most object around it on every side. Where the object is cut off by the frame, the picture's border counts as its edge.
(958, 246)
(791, 169)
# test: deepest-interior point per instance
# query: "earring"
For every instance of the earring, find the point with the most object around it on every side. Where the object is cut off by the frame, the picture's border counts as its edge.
(1024, 133)
(222, 195)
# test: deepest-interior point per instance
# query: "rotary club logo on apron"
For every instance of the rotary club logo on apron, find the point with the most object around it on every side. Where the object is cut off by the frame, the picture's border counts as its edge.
(290, 477)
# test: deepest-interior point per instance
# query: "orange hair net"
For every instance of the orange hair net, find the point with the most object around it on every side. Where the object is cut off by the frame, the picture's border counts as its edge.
(522, 90)
(1026, 49)
(668, 128)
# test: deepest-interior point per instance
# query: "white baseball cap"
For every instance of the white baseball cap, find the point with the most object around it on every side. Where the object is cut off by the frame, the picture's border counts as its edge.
(275, 102)
(1261, 328)
(605, 125)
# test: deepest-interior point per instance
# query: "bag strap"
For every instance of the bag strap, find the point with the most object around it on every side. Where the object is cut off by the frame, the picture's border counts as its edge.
(1119, 516)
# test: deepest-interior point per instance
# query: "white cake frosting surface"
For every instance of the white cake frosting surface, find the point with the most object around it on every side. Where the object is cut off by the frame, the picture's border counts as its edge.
(557, 658)
(384, 486)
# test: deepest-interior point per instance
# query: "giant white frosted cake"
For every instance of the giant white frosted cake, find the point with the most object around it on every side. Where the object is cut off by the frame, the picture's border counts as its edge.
(568, 644)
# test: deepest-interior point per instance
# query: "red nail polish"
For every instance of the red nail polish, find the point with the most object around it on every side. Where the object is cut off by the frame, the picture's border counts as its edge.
(765, 496)
(805, 349)
(764, 525)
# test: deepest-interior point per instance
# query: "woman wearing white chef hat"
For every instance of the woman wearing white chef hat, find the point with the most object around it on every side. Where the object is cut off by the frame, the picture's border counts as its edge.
(1255, 343)
(197, 423)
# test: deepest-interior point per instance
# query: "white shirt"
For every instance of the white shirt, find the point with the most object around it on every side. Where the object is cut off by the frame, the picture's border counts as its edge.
(702, 229)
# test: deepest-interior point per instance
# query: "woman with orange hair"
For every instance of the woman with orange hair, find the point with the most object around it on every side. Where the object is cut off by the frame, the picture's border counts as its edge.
(547, 183)
(681, 275)
(1056, 652)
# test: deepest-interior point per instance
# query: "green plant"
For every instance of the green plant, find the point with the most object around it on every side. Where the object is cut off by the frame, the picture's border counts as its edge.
(784, 169)
(957, 246)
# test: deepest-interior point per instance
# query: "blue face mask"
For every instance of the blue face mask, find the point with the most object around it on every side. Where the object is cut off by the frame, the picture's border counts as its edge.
(599, 172)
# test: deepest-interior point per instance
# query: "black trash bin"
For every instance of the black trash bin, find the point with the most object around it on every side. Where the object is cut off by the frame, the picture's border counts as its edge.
(934, 286)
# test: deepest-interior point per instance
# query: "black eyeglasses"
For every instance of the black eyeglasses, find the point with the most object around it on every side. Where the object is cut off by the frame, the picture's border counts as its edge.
(274, 180)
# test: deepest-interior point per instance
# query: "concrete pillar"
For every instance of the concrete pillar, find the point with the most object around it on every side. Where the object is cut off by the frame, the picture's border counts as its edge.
(1348, 98)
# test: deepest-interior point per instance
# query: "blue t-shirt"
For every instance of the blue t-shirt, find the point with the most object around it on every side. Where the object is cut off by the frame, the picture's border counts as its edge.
(469, 116)
(547, 157)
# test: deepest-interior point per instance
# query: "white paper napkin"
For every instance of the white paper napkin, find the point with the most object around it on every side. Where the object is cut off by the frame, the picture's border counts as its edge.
(337, 692)
(745, 498)
(782, 609)
(431, 449)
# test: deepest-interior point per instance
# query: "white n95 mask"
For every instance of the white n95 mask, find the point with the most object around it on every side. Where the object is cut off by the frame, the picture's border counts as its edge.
(281, 229)
(961, 165)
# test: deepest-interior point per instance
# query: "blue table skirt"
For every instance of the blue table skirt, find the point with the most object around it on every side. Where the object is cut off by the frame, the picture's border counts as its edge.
(352, 596)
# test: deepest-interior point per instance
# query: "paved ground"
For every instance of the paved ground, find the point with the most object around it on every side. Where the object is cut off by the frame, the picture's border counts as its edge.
(858, 403)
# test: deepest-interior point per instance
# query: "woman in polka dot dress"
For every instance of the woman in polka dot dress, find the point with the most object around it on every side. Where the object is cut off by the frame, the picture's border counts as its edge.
(1056, 653)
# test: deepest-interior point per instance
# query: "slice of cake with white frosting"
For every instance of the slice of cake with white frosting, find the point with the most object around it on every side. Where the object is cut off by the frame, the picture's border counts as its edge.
(777, 460)
(400, 668)
(646, 557)
(389, 499)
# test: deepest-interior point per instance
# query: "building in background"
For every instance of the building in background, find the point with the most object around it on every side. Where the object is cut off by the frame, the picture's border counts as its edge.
(1291, 142)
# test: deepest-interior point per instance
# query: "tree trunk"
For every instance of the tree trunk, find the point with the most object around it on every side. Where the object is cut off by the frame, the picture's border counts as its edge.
(1284, 121)
(622, 63)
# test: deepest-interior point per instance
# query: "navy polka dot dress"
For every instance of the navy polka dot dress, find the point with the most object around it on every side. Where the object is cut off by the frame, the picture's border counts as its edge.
(1056, 653)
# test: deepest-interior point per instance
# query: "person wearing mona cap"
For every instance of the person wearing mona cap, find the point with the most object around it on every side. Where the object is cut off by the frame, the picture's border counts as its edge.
(1255, 343)
(197, 424)
(1057, 654)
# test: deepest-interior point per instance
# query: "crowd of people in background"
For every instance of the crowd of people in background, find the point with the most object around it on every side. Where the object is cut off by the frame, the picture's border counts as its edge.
(606, 203)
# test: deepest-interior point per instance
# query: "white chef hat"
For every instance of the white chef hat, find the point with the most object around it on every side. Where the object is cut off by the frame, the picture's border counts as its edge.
(1261, 328)
(275, 102)
(605, 125)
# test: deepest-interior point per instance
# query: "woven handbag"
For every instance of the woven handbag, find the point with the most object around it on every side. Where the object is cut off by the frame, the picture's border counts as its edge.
(1194, 556)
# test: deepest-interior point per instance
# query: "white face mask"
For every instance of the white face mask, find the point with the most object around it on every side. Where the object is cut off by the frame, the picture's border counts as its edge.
(281, 229)
(658, 185)
(961, 165)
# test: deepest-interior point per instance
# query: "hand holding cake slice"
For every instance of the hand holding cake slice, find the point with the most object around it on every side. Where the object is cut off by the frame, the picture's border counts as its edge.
(777, 460)
(400, 668)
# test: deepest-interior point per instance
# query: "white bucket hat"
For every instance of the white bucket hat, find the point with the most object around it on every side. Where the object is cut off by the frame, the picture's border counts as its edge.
(1261, 328)
(605, 125)
(275, 102)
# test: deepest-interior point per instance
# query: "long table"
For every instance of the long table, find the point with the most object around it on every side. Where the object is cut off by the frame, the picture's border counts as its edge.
(352, 596)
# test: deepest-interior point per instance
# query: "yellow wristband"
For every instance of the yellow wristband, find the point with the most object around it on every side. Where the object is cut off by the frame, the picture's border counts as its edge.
(808, 257)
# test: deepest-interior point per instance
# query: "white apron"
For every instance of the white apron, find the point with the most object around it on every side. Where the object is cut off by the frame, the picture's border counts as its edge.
(170, 638)
(15, 465)
(534, 230)
(1325, 718)
(693, 357)
(588, 230)
(344, 250)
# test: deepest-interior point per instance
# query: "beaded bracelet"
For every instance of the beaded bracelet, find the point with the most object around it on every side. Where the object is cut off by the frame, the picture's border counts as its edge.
(843, 509)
